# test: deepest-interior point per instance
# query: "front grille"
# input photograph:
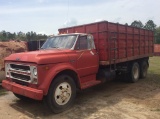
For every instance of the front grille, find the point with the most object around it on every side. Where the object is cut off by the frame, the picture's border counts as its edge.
(20, 76)
(20, 72)
(20, 67)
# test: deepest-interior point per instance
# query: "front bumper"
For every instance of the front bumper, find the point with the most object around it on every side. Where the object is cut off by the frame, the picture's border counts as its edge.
(23, 90)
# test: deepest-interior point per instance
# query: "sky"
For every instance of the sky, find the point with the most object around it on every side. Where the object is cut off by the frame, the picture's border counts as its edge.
(47, 16)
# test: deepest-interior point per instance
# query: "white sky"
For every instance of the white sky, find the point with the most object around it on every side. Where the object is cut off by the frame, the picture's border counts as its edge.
(46, 16)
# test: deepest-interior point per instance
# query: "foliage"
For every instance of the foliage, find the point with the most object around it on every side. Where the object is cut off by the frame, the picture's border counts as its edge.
(5, 36)
(126, 24)
(150, 25)
(137, 24)
(157, 35)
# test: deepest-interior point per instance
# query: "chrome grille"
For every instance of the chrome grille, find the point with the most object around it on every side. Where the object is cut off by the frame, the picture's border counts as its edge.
(20, 67)
(20, 76)
(21, 72)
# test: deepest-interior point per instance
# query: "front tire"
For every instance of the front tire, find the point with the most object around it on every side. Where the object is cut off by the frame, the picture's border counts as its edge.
(61, 94)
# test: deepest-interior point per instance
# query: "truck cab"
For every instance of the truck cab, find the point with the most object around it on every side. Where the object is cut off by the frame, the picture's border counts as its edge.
(63, 64)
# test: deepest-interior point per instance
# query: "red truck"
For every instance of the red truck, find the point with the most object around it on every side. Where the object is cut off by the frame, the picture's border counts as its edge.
(80, 57)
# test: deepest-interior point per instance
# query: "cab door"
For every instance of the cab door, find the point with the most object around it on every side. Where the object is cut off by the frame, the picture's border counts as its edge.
(87, 57)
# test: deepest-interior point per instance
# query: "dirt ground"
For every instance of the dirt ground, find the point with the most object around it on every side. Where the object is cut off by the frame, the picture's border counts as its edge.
(112, 100)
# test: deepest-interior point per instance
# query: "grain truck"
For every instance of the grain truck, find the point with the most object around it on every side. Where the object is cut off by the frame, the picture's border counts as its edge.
(78, 58)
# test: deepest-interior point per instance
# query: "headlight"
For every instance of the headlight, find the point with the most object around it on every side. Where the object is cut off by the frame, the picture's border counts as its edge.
(35, 71)
(34, 74)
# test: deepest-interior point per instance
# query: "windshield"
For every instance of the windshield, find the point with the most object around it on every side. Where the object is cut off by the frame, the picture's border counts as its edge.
(60, 42)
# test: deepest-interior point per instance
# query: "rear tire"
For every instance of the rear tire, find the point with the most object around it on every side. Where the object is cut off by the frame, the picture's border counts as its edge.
(143, 69)
(134, 72)
(61, 94)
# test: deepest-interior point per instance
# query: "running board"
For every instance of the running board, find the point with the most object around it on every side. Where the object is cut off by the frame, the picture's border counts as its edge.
(90, 84)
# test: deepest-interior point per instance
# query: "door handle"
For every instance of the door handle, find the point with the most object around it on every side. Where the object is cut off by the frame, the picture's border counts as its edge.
(93, 53)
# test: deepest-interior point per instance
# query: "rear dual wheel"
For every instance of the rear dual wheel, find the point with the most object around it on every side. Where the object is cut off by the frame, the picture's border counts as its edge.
(143, 69)
(137, 71)
(134, 72)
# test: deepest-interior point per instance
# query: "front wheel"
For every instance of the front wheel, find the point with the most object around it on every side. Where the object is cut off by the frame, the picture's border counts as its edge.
(61, 94)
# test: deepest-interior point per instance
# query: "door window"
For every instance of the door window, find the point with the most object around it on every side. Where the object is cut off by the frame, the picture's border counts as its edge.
(85, 42)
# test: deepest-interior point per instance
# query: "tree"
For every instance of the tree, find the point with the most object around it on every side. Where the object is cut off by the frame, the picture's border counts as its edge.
(21, 36)
(137, 24)
(157, 35)
(28, 36)
(126, 24)
(3, 35)
(10, 35)
(150, 25)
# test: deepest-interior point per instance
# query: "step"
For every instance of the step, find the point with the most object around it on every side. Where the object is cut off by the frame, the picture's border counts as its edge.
(90, 84)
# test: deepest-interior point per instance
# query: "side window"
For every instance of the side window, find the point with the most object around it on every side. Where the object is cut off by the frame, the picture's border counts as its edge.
(82, 43)
(91, 44)
(85, 42)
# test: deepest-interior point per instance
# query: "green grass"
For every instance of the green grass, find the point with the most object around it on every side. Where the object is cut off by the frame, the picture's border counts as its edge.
(154, 72)
(154, 67)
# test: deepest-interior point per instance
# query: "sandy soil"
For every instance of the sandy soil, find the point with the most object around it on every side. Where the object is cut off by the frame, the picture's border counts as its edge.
(112, 100)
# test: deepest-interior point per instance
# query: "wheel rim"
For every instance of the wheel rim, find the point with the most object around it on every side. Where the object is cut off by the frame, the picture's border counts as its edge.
(135, 72)
(63, 93)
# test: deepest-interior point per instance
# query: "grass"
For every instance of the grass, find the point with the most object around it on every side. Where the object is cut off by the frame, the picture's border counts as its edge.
(2, 91)
(154, 67)
(153, 77)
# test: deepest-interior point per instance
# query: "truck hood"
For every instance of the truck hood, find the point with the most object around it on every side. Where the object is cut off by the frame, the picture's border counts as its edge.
(40, 57)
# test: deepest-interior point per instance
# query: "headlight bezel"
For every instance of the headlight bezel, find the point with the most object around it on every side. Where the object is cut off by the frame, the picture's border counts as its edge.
(35, 71)
(7, 70)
